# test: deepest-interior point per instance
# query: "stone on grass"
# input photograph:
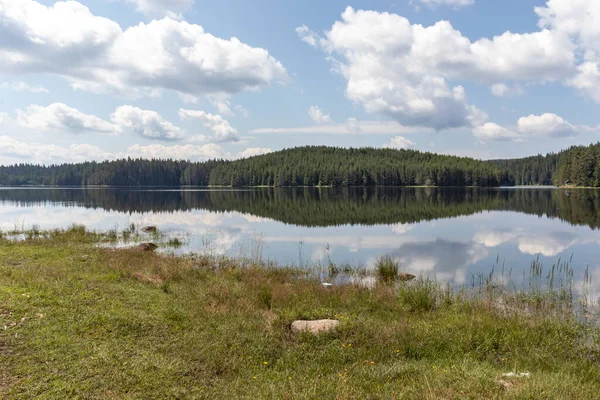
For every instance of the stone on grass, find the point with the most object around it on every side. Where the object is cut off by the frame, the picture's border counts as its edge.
(314, 327)
(404, 276)
(147, 247)
(149, 229)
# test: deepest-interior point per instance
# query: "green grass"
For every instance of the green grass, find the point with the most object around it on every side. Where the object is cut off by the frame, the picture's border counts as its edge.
(94, 323)
(387, 268)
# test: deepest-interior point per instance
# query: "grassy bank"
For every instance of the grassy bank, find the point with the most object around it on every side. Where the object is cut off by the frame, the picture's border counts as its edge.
(79, 321)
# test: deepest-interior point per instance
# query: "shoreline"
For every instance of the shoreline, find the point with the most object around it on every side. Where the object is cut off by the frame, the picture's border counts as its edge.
(87, 321)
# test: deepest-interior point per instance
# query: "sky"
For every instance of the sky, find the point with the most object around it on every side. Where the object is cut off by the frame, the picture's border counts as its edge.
(197, 79)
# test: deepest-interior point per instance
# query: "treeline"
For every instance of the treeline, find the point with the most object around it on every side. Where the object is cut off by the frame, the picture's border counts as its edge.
(304, 166)
(576, 166)
(126, 172)
(333, 166)
(323, 166)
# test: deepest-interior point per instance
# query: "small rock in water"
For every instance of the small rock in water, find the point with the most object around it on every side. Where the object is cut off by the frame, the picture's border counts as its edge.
(404, 276)
(149, 229)
(314, 327)
(147, 247)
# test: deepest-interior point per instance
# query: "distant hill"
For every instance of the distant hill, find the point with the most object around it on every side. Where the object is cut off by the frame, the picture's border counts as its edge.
(322, 166)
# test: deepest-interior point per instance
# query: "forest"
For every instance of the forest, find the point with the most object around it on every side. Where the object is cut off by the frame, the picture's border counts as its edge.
(322, 166)
(303, 166)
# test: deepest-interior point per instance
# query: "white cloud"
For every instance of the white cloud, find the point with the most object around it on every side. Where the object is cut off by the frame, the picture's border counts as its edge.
(241, 110)
(450, 3)
(254, 151)
(59, 116)
(491, 131)
(223, 108)
(23, 87)
(352, 126)
(149, 124)
(403, 70)
(177, 152)
(580, 20)
(587, 80)
(307, 36)
(188, 98)
(546, 125)
(399, 142)
(171, 8)
(56, 39)
(503, 90)
(317, 115)
(222, 129)
(49, 153)
(95, 54)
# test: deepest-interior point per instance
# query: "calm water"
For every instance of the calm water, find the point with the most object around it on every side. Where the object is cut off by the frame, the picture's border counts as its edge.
(450, 233)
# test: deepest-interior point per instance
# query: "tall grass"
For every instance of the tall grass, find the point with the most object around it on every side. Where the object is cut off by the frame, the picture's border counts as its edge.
(387, 268)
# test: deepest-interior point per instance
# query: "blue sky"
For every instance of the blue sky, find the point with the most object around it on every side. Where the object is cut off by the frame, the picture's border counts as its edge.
(105, 79)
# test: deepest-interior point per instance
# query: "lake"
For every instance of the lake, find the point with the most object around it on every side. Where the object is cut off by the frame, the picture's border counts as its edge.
(453, 234)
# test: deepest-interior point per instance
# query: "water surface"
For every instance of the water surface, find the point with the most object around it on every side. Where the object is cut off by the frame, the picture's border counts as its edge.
(451, 233)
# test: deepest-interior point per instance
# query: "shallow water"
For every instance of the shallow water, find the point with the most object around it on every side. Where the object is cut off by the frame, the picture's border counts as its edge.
(450, 233)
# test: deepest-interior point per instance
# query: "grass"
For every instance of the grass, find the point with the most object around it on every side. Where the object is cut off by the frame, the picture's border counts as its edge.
(82, 321)
(387, 268)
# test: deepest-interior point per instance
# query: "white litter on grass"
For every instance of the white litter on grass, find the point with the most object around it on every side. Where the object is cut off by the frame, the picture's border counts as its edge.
(516, 375)
(326, 284)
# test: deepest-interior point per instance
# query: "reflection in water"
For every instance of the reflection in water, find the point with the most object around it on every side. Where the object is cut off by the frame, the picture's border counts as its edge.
(447, 259)
(328, 206)
(450, 233)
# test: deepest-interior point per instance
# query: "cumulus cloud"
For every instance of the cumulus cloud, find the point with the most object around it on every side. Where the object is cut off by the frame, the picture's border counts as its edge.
(59, 116)
(149, 124)
(16, 150)
(546, 125)
(222, 129)
(171, 8)
(491, 131)
(403, 70)
(23, 87)
(399, 142)
(318, 115)
(578, 19)
(587, 79)
(503, 90)
(95, 54)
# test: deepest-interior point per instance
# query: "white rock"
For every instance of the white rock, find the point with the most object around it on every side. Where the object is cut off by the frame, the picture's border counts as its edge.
(515, 375)
(314, 327)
